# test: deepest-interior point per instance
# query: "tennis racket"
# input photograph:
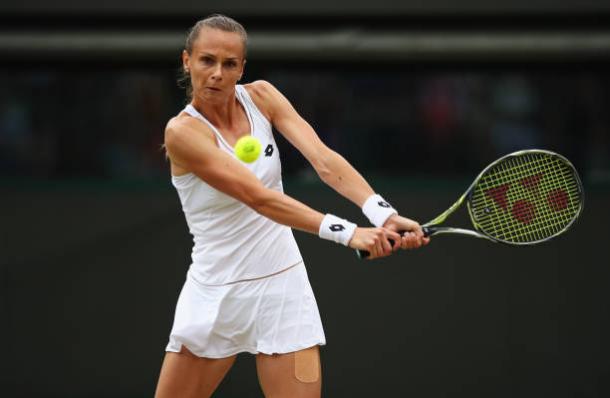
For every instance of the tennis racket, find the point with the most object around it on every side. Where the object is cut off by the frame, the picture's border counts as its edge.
(523, 198)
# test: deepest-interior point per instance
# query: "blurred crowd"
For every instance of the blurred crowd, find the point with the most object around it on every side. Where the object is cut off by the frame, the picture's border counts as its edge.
(108, 123)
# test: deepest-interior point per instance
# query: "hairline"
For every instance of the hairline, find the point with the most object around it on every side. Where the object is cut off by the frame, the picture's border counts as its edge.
(243, 42)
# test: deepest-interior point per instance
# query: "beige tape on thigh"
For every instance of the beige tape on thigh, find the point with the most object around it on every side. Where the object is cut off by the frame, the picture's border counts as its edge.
(307, 365)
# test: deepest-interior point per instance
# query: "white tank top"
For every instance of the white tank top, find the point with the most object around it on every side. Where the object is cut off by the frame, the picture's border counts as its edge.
(231, 241)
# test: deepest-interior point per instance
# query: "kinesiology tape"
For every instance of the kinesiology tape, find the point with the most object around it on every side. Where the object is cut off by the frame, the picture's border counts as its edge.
(307, 365)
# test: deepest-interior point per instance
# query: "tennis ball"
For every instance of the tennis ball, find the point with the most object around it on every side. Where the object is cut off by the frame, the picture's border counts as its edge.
(247, 148)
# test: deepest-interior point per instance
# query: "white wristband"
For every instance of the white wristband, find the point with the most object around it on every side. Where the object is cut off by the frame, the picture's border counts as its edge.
(336, 229)
(377, 210)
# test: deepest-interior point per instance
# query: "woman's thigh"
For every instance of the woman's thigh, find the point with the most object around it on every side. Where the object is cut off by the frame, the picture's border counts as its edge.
(296, 374)
(186, 375)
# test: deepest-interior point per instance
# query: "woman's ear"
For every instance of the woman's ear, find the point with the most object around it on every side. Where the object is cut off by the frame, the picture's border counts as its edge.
(185, 61)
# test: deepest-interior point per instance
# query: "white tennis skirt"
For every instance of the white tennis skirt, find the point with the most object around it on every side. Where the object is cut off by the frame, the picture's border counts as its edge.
(274, 314)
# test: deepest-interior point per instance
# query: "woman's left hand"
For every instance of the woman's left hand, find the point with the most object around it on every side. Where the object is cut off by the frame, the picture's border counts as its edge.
(412, 234)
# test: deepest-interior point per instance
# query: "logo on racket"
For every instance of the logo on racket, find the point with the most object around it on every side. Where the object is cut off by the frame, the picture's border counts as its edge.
(525, 210)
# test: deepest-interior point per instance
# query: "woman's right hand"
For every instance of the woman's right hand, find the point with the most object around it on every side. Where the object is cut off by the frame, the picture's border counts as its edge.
(375, 241)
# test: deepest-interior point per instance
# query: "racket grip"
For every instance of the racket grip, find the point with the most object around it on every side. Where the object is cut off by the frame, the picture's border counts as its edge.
(363, 254)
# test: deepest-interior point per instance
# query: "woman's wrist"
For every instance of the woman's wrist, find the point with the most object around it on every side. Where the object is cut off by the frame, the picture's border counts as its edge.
(377, 210)
(336, 229)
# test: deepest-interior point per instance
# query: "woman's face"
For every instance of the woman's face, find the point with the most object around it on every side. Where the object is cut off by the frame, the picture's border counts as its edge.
(215, 64)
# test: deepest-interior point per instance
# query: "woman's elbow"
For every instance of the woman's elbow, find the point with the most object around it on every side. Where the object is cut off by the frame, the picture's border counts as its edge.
(257, 199)
(322, 164)
(324, 173)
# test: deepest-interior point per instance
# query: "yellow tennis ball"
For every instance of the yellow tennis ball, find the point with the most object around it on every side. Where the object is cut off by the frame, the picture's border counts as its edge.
(247, 148)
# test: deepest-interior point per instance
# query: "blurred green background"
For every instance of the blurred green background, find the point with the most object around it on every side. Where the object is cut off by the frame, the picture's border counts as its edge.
(419, 97)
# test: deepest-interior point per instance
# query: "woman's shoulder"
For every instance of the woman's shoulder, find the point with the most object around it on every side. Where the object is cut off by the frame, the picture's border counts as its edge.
(182, 126)
(261, 88)
(178, 122)
(264, 95)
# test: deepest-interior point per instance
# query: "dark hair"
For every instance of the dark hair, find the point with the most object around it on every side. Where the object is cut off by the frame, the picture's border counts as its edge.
(214, 21)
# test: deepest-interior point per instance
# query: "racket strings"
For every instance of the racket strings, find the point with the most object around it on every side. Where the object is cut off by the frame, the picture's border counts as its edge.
(526, 198)
(533, 205)
(551, 222)
(528, 208)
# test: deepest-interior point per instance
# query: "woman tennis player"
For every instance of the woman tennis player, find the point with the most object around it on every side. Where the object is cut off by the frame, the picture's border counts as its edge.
(247, 288)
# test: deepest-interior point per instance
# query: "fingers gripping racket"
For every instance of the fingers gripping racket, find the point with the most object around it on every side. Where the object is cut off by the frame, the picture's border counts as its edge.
(524, 198)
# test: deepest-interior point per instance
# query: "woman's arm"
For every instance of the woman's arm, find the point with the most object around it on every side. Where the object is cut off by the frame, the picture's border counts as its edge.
(191, 146)
(332, 168)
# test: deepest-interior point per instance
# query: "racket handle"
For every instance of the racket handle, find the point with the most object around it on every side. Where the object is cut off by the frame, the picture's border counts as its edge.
(428, 231)
(363, 254)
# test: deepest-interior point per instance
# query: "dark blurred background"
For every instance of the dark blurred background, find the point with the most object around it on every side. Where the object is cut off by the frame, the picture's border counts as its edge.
(419, 97)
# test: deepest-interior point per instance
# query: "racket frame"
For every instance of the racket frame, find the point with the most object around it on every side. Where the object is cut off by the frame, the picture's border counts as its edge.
(431, 227)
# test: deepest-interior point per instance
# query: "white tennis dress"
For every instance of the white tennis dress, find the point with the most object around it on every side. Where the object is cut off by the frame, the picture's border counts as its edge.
(247, 288)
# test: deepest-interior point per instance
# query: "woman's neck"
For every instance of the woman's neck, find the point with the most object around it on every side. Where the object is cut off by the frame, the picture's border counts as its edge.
(221, 114)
